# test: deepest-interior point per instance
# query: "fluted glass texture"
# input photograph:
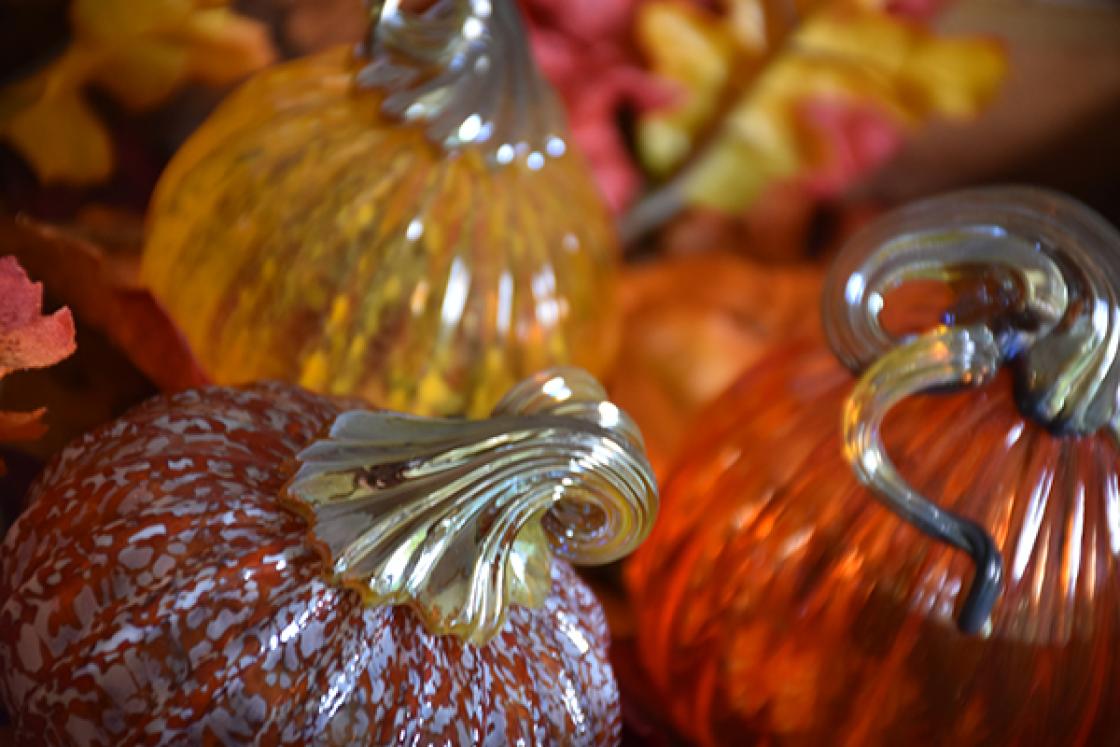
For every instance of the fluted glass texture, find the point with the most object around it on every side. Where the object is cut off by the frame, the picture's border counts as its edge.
(302, 234)
(779, 602)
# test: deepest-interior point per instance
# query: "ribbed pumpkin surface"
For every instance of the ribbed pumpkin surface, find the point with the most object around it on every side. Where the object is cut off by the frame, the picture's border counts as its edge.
(300, 235)
(778, 601)
(155, 592)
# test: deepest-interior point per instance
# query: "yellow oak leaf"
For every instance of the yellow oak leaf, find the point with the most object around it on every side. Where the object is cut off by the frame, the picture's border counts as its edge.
(702, 47)
(740, 125)
(140, 52)
(47, 119)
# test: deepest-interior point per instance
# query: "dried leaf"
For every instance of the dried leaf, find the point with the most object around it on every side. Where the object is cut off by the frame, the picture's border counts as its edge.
(753, 82)
(691, 325)
(21, 426)
(56, 130)
(140, 51)
(698, 62)
(97, 288)
(28, 339)
(586, 51)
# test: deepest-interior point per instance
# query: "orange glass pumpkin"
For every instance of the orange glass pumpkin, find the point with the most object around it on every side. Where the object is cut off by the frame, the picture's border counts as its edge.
(156, 590)
(407, 223)
(800, 589)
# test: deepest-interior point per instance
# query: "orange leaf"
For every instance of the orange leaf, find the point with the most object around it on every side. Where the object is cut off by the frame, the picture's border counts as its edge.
(694, 323)
(80, 274)
(21, 426)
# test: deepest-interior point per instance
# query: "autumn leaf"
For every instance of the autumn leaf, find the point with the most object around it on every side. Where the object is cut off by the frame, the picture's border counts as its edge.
(140, 52)
(775, 91)
(691, 325)
(100, 290)
(28, 339)
(585, 49)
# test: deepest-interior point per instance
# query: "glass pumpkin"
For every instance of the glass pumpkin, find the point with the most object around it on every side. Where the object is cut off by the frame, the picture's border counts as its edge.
(158, 590)
(799, 588)
(406, 223)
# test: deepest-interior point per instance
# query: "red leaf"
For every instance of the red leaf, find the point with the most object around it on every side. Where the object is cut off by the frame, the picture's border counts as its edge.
(585, 50)
(27, 338)
(80, 274)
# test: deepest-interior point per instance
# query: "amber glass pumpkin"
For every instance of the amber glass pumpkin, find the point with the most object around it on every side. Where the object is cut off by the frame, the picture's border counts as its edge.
(925, 552)
(406, 223)
(156, 591)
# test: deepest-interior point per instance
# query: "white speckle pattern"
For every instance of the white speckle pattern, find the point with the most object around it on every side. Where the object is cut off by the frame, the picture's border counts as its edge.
(155, 593)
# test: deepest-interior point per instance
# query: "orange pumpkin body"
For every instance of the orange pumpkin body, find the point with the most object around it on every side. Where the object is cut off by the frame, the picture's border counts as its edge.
(155, 592)
(778, 601)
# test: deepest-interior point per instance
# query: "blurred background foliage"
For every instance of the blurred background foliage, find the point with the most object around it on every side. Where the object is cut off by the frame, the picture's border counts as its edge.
(728, 136)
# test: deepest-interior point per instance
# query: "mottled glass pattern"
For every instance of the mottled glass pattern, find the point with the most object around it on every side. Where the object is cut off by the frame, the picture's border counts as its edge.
(155, 592)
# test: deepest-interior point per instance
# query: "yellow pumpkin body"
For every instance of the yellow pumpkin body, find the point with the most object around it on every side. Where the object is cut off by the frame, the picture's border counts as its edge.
(303, 235)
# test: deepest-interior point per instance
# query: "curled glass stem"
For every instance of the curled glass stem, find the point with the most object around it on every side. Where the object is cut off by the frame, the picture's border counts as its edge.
(462, 69)
(946, 356)
(1056, 322)
(1061, 262)
(459, 519)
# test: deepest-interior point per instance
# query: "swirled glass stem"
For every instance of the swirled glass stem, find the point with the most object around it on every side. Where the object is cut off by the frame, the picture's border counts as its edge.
(1062, 328)
(1058, 323)
(463, 70)
(949, 356)
(459, 518)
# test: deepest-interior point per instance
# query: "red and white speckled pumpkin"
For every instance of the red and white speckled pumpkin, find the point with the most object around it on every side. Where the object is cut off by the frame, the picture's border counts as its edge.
(155, 591)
